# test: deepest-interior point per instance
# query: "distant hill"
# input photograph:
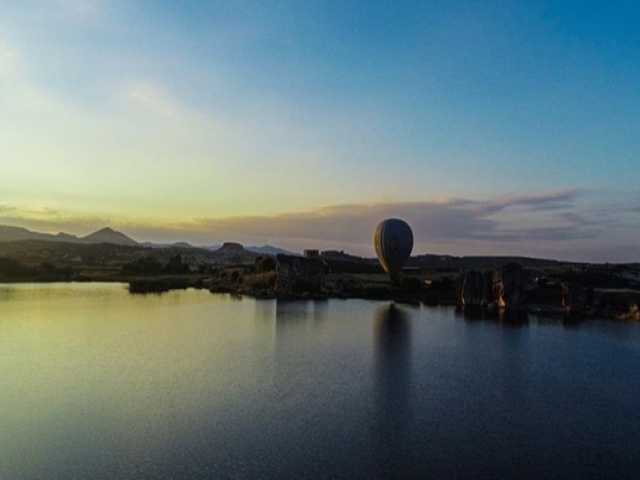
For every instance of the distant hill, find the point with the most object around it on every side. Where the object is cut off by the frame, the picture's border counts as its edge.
(269, 250)
(263, 250)
(169, 245)
(182, 245)
(234, 252)
(65, 237)
(479, 262)
(211, 246)
(346, 257)
(108, 235)
(16, 234)
(105, 235)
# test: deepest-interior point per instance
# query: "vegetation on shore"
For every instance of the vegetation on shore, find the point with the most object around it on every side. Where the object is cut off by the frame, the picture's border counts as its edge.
(540, 285)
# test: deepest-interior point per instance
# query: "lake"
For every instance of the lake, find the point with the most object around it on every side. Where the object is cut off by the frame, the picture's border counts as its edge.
(98, 383)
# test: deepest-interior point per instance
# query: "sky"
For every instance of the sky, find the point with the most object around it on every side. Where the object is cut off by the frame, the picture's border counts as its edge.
(492, 128)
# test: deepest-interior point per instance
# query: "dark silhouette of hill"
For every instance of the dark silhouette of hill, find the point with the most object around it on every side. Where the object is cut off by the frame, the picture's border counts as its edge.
(104, 235)
(480, 262)
(108, 235)
(269, 250)
(168, 245)
(449, 262)
(263, 250)
(234, 253)
(14, 234)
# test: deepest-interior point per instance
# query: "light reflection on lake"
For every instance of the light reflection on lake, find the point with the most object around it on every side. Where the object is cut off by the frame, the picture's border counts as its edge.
(97, 383)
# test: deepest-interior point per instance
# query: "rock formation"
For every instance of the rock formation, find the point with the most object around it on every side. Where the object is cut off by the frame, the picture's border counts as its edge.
(576, 298)
(299, 276)
(500, 288)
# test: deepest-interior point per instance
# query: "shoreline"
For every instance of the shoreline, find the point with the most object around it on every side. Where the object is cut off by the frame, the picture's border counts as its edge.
(162, 284)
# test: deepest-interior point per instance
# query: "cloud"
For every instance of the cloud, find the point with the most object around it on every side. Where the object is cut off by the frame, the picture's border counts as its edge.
(547, 201)
(153, 99)
(7, 209)
(8, 58)
(22, 97)
(550, 225)
(50, 220)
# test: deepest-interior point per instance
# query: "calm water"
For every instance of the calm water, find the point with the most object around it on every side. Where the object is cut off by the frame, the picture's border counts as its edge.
(97, 383)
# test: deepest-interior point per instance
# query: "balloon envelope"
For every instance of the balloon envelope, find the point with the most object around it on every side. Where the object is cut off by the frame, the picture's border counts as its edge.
(393, 240)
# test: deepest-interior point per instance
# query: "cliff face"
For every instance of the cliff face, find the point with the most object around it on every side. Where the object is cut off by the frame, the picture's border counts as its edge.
(580, 293)
(297, 275)
(476, 289)
(576, 298)
(620, 303)
(500, 288)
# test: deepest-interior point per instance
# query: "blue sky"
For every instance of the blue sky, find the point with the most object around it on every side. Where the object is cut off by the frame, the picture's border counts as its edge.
(492, 127)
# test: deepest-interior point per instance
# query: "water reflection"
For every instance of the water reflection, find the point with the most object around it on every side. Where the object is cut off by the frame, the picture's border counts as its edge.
(297, 323)
(290, 312)
(393, 389)
(521, 318)
(320, 310)
(509, 317)
(90, 388)
(6, 293)
(265, 310)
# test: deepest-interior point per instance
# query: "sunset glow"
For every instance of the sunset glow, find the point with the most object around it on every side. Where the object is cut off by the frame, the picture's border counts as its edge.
(492, 129)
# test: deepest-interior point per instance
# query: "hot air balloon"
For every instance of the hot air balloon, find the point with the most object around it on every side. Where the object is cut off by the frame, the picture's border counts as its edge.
(393, 240)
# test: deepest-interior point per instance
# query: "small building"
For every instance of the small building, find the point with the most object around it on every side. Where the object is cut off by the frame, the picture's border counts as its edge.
(310, 253)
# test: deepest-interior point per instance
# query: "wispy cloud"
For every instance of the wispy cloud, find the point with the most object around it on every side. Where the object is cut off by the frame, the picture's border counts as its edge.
(459, 227)
(155, 100)
(7, 209)
(543, 202)
(8, 58)
(354, 223)
(50, 220)
(552, 225)
(21, 95)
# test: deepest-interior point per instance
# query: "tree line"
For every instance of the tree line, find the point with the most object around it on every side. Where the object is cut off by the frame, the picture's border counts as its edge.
(11, 269)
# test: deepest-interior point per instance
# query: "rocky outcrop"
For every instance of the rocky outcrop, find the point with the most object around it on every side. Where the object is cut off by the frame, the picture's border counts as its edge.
(514, 284)
(632, 314)
(297, 276)
(231, 252)
(576, 298)
(509, 286)
(476, 288)
(500, 288)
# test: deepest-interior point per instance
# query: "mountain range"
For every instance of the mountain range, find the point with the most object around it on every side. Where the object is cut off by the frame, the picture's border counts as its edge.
(104, 235)
(109, 235)
(263, 250)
